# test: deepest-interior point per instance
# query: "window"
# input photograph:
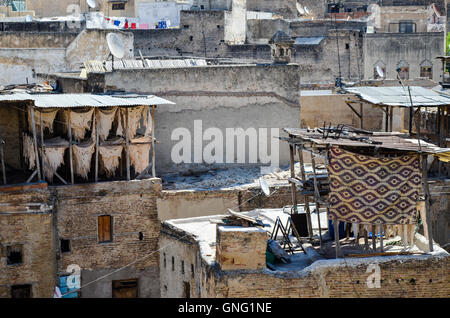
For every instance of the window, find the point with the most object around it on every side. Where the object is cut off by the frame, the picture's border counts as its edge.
(65, 246)
(21, 291)
(173, 263)
(192, 270)
(403, 73)
(14, 254)
(164, 260)
(347, 46)
(186, 290)
(426, 71)
(406, 27)
(118, 6)
(182, 267)
(125, 288)
(104, 228)
(191, 38)
(141, 236)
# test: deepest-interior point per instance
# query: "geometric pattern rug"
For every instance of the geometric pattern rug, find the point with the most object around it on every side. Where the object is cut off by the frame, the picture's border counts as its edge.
(369, 190)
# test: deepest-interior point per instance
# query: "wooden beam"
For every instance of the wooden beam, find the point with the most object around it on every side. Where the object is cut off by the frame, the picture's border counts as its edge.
(33, 124)
(2, 158)
(426, 190)
(60, 178)
(96, 143)
(42, 145)
(127, 140)
(336, 238)
(69, 129)
(153, 143)
(293, 188)
(381, 238)
(316, 195)
(361, 123)
(374, 238)
(305, 197)
(32, 176)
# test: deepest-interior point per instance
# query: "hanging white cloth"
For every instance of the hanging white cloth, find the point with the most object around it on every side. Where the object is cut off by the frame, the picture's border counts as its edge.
(110, 156)
(82, 155)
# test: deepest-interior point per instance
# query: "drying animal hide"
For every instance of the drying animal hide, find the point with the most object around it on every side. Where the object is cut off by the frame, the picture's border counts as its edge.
(139, 156)
(48, 117)
(134, 121)
(147, 122)
(106, 118)
(110, 158)
(80, 122)
(82, 155)
(28, 151)
(54, 157)
(119, 130)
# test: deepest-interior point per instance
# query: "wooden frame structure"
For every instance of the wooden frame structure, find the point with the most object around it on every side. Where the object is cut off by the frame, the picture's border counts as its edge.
(318, 142)
(28, 103)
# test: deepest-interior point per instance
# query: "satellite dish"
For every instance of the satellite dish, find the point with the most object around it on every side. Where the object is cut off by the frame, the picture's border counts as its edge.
(380, 71)
(115, 45)
(300, 9)
(264, 186)
(307, 10)
(91, 3)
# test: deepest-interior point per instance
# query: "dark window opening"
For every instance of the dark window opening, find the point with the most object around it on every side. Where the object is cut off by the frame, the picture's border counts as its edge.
(173, 263)
(14, 254)
(218, 26)
(191, 38)
(118, 6)
(182, 267)
(186, 26)
(125, 288)
(192, 270)
(426, 71)
(347, 46)
(403, 73)
(104, 228)
(141, 236)
(21, 291)
(65, 246)
(406, 27)
(202, 7)
(186, 290)
(164, 260)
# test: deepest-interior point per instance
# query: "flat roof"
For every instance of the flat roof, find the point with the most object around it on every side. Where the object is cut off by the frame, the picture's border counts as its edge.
(399, 96)
(85, 100)
(389, 140)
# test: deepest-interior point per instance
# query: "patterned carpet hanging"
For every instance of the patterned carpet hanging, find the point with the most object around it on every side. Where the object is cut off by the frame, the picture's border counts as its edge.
(373, 190)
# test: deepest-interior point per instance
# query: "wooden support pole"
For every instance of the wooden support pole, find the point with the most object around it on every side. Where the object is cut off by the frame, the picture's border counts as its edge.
(33, 124)
(366, 238)
(305, 197)
(336, 238)
(69, 129)
(42, 145)
(32, 176)
(391, 118)
(361, 118)
(293, 189)
(381, 238)
(96, 143)
(426, 190)
(386, 119)
(127, 140)
(153, 144)
(374, 237)
(2, 158)
(316, 196)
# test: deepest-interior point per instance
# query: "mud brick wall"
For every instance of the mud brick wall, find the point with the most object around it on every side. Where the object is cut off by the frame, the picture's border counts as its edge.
(241, 248)
(26, 219)
(132, 206)
(400, 277)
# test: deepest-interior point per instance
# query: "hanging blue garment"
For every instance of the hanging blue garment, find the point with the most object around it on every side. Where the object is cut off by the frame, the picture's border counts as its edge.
(116, 22)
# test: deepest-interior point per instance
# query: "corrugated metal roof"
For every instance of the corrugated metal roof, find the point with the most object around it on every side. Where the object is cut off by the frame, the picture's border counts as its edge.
(399, 96)
(85, 100)
(309, 40)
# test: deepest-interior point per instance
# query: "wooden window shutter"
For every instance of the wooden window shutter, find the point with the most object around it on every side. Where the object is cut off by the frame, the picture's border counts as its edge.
(104, 228)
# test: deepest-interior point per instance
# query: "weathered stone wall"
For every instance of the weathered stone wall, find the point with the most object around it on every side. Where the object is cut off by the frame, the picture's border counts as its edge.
(237, 96)
(425, 276)
(390, 50)
(26, 218)
(132, 206)
(440, 212)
